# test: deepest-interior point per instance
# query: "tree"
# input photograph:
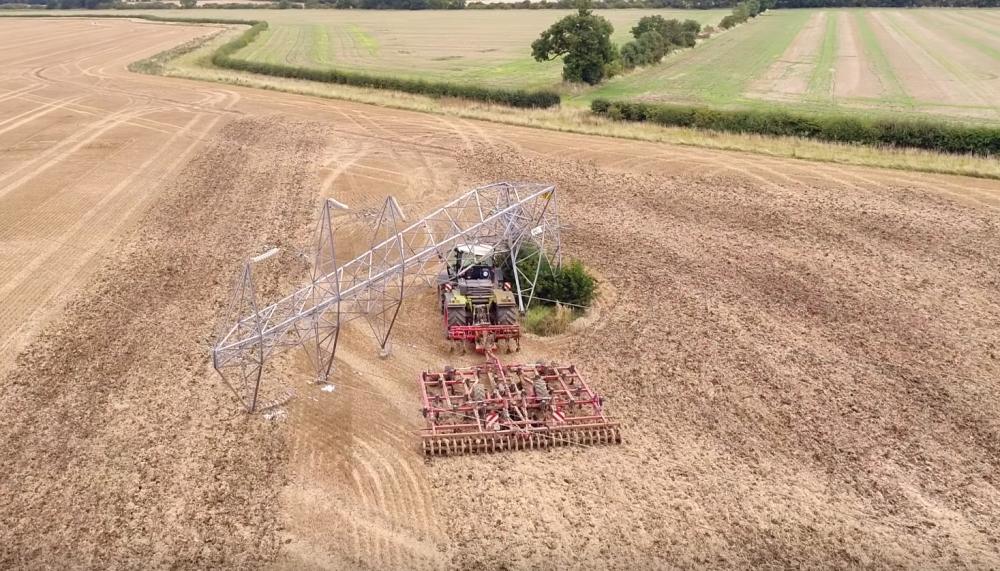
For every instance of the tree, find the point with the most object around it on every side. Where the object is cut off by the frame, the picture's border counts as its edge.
(647, 23)
(689, 32)
(189, 3)
(673, 32)
(585, 41)
(630, 55)
(652, 47)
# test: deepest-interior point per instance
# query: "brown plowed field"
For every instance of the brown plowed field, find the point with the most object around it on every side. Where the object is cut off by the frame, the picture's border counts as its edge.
(805, 357)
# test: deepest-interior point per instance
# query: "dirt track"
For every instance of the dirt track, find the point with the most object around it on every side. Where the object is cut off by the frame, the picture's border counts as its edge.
(805, 357)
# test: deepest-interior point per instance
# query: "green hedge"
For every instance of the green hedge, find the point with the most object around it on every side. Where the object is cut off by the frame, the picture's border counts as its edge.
(223, 57)
(921, 134)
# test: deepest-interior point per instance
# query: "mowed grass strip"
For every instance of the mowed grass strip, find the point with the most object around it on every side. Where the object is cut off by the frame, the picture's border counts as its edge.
(958, 70)
(320, 54)
(362, 38)
(821, 82)
(977, 21)
(895, 92)
(959, 30)
(224, 57)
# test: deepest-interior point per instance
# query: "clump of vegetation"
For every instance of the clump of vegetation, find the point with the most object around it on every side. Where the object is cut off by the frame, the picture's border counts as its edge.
(561, 293)
(745, 10)
(585, 40)
(548, 320)
(655, 37)
(568, 284)
(879, 131)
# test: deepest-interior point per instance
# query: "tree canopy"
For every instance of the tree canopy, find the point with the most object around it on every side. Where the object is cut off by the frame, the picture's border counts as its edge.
(674, 32)
(655, 37)
(585, 40)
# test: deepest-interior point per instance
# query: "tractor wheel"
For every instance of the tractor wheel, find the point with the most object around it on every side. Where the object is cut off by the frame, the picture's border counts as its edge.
(457, 316)
(507, 315)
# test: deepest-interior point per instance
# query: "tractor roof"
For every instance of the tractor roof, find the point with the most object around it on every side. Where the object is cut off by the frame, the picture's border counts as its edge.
(477, 250)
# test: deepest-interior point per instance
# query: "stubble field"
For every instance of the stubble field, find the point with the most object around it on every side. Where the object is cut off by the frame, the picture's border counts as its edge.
(805, 357)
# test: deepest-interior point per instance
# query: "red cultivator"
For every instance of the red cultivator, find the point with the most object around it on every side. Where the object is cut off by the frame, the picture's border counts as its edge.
(492, 406)
(485, 337)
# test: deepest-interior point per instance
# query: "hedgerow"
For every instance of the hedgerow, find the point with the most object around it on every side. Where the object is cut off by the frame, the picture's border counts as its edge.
(223, 57)
(916, 133)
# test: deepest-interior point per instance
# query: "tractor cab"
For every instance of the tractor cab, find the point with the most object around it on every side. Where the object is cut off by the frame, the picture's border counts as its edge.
(472, 262)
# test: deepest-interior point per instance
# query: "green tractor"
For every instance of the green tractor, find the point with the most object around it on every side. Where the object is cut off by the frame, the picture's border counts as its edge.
(477, 304)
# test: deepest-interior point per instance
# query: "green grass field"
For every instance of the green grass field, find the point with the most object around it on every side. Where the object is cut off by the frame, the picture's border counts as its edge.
(487, 48)
(943, 62)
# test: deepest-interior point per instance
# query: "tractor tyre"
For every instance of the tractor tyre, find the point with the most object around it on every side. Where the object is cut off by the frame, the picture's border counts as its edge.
(457, 316)
(507, 315)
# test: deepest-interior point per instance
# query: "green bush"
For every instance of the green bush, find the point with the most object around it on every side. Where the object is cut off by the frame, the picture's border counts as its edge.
(600, 106)
(569, 284)
(913, 133)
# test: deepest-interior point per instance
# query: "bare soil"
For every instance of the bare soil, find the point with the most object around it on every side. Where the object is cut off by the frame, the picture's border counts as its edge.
(805, 375)
(121, 448)
(805, 357)
(81, 156)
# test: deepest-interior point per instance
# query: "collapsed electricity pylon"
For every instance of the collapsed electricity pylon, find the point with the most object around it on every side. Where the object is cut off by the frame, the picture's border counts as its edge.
(515, 219)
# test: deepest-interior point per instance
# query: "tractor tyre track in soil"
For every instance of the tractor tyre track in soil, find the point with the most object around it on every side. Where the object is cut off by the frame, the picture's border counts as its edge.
(108, 410)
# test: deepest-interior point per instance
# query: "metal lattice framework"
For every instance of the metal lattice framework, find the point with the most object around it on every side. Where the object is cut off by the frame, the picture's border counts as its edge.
(515, 219)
